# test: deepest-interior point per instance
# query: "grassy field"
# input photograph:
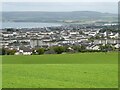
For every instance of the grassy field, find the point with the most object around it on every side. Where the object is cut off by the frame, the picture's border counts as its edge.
(86, 70)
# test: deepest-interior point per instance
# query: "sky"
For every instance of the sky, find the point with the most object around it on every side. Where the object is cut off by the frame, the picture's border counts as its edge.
(59, 0)
(61, 6)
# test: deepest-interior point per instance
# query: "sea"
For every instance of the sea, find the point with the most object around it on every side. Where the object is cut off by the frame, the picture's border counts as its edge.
(19, 25)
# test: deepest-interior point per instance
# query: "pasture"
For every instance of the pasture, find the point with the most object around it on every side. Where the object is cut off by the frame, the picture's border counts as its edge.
(83, 70)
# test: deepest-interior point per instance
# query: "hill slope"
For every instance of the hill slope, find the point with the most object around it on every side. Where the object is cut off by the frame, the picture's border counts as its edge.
(56, 16)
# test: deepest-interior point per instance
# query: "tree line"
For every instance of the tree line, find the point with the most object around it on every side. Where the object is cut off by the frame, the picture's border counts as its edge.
(60, 50)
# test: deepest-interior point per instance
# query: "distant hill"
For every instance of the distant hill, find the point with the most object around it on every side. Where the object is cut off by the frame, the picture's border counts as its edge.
(35, 16)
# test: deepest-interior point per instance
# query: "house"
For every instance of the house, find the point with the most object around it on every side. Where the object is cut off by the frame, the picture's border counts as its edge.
(92, 33)
(93, 47)
(116, 46)
(86, 32)
(115, 35)
(74, 33)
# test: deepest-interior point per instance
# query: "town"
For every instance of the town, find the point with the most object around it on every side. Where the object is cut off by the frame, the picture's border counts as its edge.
(59, 39)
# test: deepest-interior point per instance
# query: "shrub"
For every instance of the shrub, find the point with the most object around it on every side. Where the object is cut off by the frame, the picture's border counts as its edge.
(40, 51)
(10, 52)
(59, 49)
(51, 51)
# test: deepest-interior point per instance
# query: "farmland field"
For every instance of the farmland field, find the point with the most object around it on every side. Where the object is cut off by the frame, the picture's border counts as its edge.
(84, 70)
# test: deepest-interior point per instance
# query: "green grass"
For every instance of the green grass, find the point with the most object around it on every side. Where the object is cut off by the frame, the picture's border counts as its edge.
(80, 58)
(62, 72)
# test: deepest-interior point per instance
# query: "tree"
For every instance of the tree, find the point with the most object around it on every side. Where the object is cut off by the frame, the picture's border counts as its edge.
(34, 52)
(10, 30)
(79, 48)
(59, 49)
(91, 39)
(10, 52)
(81, 32)
(41, 51)
(82, 48)
(3, 51)
(50, 51)
(106, 48)
(76, 48)
(97, 37)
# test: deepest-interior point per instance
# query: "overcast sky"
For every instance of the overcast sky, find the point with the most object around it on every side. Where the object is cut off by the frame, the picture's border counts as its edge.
(59, 0)
(109, 7)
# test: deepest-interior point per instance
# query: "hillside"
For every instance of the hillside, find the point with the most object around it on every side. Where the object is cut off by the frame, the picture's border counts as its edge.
(56, 16)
